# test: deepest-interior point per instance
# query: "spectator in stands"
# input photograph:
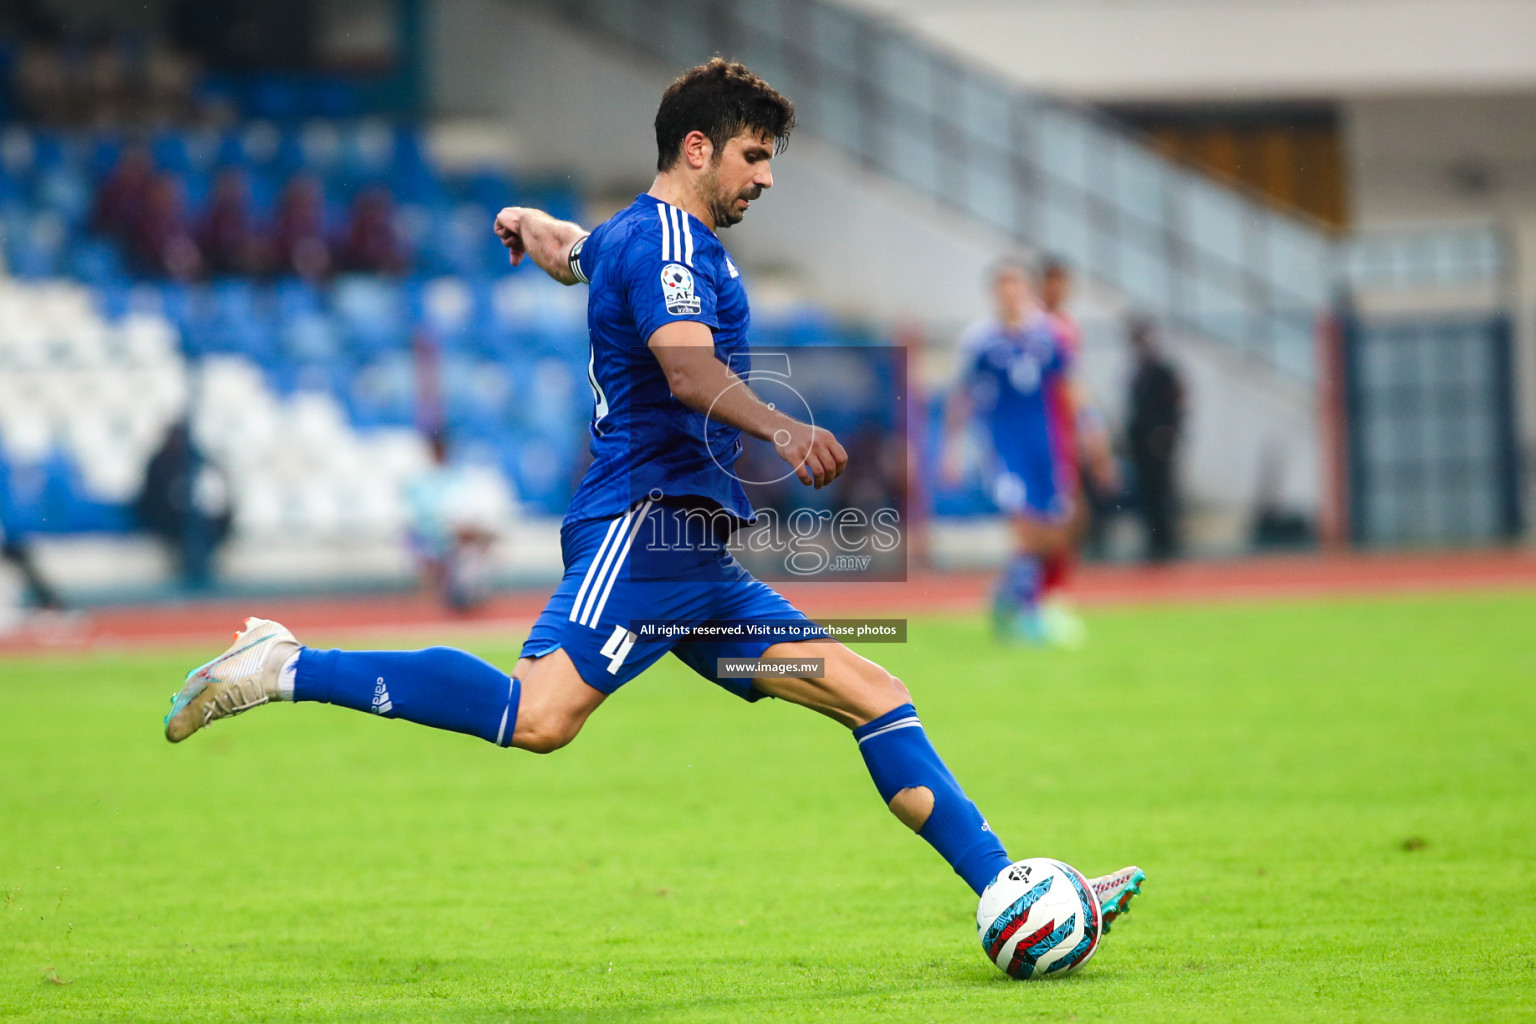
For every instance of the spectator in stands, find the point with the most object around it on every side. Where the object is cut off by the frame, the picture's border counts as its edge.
(166, 79)
(229, 241)
(299, 241)
(370, 243)
(185, 502)
(41, 85)
(162, 244)
(1154, 418)
(449, 537)
(104, 81)
(103, 78)
(120, 197)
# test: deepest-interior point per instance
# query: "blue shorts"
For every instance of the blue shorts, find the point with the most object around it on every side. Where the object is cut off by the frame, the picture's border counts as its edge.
(636, 569)
(1031, 487)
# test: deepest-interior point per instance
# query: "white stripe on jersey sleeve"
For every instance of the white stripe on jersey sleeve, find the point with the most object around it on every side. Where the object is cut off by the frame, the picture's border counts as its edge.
(677, 232)
(666, 235)
(687, 238)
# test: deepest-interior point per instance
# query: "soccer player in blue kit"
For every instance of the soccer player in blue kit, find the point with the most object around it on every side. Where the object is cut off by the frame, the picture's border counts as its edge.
(1012, 367)
(668, 320)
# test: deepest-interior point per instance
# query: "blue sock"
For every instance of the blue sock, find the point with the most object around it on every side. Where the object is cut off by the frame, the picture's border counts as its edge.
(440, 687)
(1019, 587)
(899, 756)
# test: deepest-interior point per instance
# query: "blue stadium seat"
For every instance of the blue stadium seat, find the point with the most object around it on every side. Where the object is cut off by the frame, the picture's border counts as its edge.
(295, 297)
(371, 313)
(274, 97)
(513, 347)
(99, 263)
(384, 391)
(174, 301)
(112, 298)
(168, 149)
(66, 191)
(105, 149)
(309, 335)
(48, 151)
(37, 250)
(334, 96)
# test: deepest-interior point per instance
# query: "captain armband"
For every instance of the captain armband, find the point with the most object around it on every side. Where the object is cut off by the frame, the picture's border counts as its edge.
(574, 259)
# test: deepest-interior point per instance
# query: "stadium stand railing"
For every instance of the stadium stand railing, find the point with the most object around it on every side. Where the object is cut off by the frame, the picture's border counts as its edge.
(1059, 177)
(1433, 257)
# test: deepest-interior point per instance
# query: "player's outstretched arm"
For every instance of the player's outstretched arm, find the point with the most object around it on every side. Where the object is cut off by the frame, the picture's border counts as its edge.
(528, 232)
(686, 351)
(1095, 437)
(957, 413)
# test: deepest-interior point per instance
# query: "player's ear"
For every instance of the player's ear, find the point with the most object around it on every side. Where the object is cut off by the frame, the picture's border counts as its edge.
(698, 151)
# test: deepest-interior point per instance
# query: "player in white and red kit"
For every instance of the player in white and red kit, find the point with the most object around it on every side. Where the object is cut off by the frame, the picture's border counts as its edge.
(1079, 435)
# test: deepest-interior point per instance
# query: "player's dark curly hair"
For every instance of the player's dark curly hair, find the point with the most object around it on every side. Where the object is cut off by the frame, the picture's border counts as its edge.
(721, 99)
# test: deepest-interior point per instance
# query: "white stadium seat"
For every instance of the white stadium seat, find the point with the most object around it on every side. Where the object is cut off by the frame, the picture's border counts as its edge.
(105, 393)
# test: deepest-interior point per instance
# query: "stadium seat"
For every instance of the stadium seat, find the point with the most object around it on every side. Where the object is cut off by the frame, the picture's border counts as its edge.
(292, 379)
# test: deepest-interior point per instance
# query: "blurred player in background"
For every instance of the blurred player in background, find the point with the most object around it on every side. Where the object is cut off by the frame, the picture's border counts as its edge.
(1081, 443)
(17, 551)
(668, 318)
(450, 531)
(1017, 375)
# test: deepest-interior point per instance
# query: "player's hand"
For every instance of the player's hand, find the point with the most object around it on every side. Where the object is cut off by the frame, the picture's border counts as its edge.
(817, 456)
(1106, 474)
(509, 228)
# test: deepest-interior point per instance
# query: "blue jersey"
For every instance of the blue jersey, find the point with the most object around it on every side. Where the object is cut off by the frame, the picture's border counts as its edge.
(649, 265)
(1009, 374)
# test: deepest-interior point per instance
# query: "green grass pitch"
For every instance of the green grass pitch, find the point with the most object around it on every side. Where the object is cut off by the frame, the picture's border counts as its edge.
(1335, 803)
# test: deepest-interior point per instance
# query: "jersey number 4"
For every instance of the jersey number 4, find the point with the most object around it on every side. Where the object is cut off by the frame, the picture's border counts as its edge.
(616, 648)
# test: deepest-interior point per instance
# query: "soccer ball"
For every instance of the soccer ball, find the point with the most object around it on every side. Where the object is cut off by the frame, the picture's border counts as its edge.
(1039, 918)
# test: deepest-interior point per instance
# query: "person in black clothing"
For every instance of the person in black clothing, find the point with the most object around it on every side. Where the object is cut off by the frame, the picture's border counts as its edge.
(185, 503)
(1155, 413)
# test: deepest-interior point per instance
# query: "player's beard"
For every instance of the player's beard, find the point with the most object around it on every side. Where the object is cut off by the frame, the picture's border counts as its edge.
(722, 205)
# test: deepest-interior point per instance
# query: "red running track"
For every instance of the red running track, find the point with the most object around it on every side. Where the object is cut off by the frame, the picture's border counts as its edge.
(204, 623)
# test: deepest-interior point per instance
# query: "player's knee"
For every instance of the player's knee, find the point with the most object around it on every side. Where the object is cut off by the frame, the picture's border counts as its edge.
(544, 736)
(887, 693)
(539, 741)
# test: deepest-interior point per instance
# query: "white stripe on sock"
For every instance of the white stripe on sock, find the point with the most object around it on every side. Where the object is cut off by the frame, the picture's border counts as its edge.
(905, 723)
(502, 731)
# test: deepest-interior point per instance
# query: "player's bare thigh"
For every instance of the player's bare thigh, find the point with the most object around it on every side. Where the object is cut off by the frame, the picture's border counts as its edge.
(853, 691)
(555, 702)
(1042, 536)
